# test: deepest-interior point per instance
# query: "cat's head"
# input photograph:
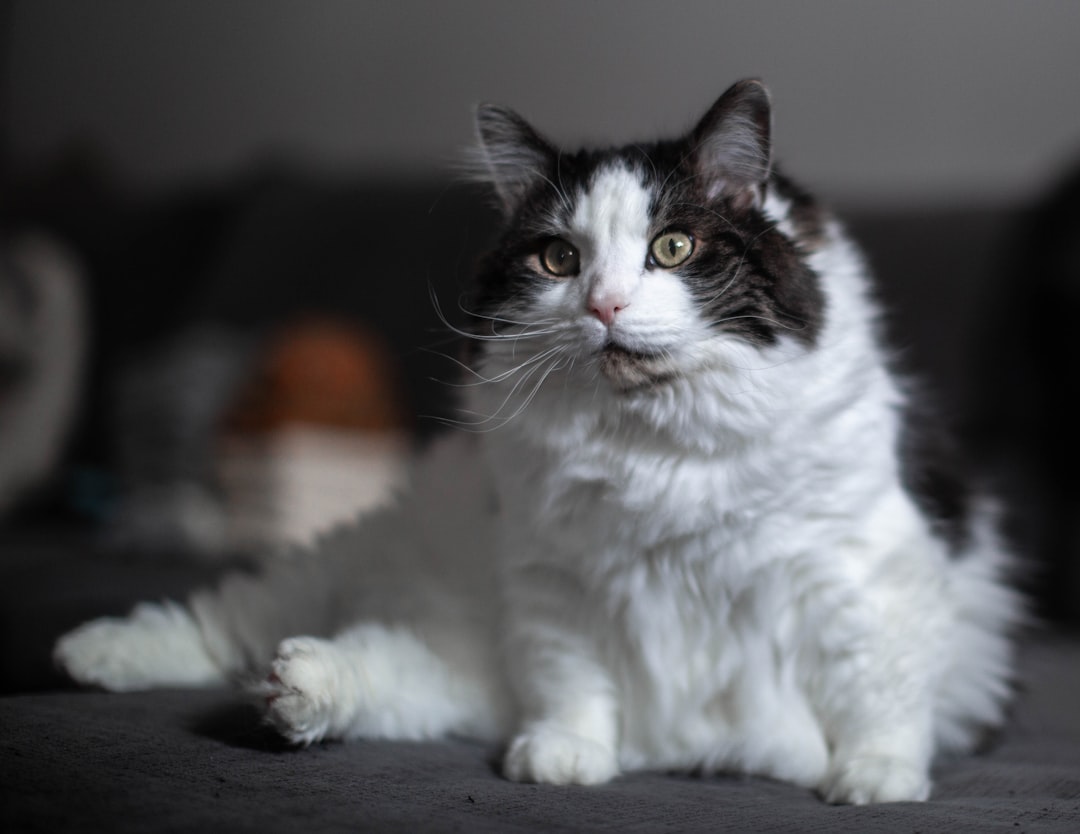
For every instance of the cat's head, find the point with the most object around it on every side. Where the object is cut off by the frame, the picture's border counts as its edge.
(630, 267)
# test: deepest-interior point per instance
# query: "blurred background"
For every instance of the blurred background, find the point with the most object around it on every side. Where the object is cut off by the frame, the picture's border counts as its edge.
(920, 102)
(224, 223)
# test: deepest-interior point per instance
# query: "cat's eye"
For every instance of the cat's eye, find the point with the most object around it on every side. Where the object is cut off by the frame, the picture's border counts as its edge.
(560, 258)
(671, 248)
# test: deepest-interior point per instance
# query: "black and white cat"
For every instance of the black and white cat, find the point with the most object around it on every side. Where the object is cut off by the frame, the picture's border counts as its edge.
(691, 527)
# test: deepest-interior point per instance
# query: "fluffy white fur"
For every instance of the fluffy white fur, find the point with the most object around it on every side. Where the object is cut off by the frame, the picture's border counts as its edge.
(722, 571)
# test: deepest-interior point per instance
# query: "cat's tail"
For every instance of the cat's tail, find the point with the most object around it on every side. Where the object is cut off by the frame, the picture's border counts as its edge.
(979, 681)
(422, 563)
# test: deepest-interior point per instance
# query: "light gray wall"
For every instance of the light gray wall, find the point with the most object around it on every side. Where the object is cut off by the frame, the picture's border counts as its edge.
(912, 100)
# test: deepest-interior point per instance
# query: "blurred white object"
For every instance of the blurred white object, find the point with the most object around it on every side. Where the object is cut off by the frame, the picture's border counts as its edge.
(42, 352)
(285, 489)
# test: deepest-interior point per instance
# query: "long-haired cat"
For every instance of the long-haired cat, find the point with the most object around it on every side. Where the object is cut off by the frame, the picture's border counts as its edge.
(696, 524)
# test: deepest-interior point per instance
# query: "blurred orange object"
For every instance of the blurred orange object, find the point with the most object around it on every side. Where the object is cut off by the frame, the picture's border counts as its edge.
(325, 373)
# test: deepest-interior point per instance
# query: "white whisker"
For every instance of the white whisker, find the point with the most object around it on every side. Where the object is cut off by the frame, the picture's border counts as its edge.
(493, 336)
(767, 319)
(499, 377)
(490, 422)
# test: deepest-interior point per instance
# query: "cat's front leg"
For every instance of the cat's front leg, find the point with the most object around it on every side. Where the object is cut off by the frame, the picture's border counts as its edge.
(568, 734)
(879, 716)
(888, 761)
(568, 740)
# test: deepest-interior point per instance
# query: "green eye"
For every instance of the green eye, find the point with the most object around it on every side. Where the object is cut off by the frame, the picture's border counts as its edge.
(560, 258)
(671, 249)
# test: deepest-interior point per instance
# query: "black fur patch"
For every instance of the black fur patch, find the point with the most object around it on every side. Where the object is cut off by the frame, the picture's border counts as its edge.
(934, 473)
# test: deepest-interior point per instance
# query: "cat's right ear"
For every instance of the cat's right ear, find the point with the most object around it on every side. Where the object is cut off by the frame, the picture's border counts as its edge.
(732, 144)
(514, 157)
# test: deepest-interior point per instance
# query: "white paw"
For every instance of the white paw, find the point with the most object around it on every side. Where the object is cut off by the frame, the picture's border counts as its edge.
(554, 756)
(300, 689)
(866, 779)
(158, 645)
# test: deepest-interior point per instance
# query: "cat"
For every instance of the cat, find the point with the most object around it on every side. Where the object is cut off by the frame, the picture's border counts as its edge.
(692, 521)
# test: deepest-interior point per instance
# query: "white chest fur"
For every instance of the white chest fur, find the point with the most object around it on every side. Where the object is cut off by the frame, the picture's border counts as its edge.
(696, 581)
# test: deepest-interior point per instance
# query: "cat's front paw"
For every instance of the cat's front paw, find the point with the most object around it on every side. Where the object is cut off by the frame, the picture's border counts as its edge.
(863, 780)
(554, 756)
(300, 689)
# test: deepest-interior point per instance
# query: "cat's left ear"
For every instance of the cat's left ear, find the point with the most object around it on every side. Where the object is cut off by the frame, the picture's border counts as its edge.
(516, 157)
(732, 145)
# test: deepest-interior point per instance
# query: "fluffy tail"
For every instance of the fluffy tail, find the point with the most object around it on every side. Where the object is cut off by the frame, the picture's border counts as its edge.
(980, 679)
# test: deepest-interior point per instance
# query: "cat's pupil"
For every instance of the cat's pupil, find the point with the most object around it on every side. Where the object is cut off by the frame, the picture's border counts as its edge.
(671, 248)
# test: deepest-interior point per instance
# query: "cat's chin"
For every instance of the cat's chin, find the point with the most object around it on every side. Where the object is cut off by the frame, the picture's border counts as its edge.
(630, 370)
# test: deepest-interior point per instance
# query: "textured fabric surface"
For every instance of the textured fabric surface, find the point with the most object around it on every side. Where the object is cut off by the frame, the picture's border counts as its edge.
(190, 761)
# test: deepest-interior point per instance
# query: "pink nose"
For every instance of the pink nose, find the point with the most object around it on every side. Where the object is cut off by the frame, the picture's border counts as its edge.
(605, 307)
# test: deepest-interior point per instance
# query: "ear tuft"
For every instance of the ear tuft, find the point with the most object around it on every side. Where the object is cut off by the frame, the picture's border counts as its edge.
(515, 157)
(732, 145)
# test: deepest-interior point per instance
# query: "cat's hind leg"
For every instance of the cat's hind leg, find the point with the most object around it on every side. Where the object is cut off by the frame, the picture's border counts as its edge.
(377, 681)
(220, 635)
(156, 645)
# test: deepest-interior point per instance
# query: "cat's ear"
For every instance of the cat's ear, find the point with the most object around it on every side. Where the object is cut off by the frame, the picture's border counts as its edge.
(732, 146)
(514, 156)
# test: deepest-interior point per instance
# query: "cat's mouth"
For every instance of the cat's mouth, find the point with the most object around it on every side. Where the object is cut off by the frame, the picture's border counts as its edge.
(630, 369)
